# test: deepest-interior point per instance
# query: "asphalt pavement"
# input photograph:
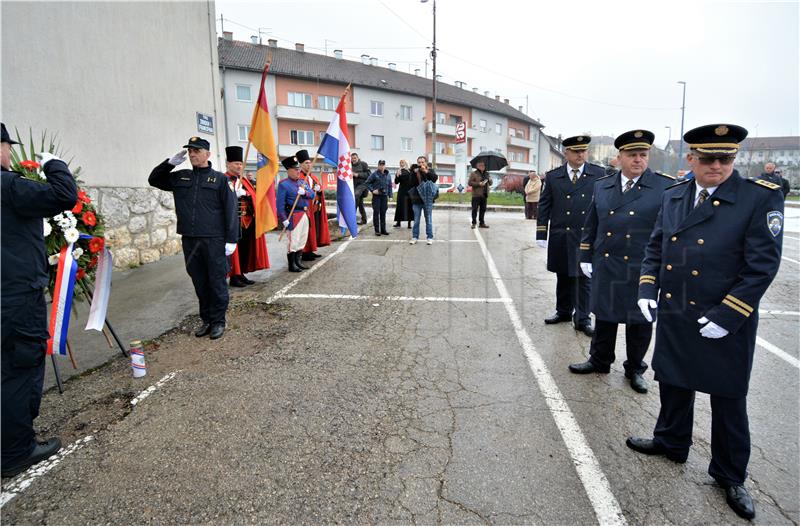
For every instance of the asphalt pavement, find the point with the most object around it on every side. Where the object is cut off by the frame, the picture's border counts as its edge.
(396, 384)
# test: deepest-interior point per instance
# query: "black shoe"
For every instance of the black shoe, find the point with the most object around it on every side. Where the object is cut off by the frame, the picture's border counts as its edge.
(297, 257)
(483, 225)
(314, 255)
(309, 256)
(585, 368)
(236, 281)
(245, 280)
(217, 331)
(638, 383)
(649, 446)
(384, 233)
(740, 501)
(292, 264)
(585, 329)
(472, 226)
(378, 234)
(203, 331)
(409, 225)
(396, 225)
(42, 451)
(557, 318)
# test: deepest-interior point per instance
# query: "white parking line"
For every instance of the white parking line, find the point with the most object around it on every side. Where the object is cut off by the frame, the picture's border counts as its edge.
(779, 312)
(152, 389)
(790, 259)
(379, 240)
(394, 298)
(790, 237)
(606, 507)
(780, 353)
(278, 295)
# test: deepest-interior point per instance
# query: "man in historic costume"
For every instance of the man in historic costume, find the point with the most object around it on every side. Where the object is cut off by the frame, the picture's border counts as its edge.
(318, 233)
(292, 202)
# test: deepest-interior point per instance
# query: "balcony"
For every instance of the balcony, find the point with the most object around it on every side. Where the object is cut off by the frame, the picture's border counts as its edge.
(296, 113)
(443, 158)
(441, 129)
(522, 143)
(521, 167)
(287, 150)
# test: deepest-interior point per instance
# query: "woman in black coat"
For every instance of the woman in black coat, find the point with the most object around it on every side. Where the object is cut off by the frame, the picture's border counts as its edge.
(403, 211)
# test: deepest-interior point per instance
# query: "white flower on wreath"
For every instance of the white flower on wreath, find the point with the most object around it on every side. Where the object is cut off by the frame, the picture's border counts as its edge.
(58, 217)
(73, 222)
(48, 229)
(67, 213)
(53, 260)
(71, 235)
(77, 253)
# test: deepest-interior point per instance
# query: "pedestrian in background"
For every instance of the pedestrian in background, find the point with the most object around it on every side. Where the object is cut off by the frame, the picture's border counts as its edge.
(360, 175)
(380, 184)
(208, 223)
(773, 175)
(481, 182)
(532, 187)
(23, 321)
(403, 210)
(423, 202)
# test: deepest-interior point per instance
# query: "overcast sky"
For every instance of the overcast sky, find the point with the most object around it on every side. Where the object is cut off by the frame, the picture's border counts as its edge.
(599, 67)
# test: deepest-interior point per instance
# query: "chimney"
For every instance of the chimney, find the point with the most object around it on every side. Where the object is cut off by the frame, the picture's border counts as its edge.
(392, 66)
(365, 59)
(227, 35)
(459, 84)
(416, 72)
(373, 61)
(519, 108)
(497, 98)
(474, 90)
(300, 47)
(485, 93)
(272, 42)
(253, 39)
(505, 100)
(338, 54)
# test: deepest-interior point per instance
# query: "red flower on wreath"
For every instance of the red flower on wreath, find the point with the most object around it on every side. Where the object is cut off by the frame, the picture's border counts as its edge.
(83, 197)
(89, 218)
(92, 262)
(78, 207)
(29, 165)
(80, 274)
(96, 244)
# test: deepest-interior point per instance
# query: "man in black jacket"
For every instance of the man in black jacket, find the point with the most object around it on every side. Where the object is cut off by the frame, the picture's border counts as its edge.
(774, 176)
(360, 175)
(24, 315)
(208, 221)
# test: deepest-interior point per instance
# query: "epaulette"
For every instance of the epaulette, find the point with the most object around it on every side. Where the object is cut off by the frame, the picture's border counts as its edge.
(765, 184)
(551, 171)
(606, 176)
(679, 183)
(665, 175)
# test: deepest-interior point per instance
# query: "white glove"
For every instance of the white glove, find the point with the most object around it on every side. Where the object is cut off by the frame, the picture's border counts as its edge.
(286, 223)
(46, 157)
(317, 188)
(229, 248)
(711, 330)
(541, 243)
(586, 268)
(645, 306)
(301, 190)
(178, 158)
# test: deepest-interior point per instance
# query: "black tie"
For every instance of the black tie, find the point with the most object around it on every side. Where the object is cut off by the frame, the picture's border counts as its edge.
(628, 186)
(702, 197)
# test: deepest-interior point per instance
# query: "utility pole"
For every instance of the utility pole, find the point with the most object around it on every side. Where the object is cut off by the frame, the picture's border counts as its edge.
(683, 111)
(433, 105)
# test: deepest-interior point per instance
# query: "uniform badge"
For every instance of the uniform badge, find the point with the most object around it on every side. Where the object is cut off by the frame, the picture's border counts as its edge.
(775, 222)
(638, 135)
(211, 180)
(580, 139)
(194, 139)
(721, 130)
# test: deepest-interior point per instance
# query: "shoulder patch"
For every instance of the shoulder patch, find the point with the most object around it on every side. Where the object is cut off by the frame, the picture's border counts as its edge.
(775, 222)
(765, 184)
(665, 175)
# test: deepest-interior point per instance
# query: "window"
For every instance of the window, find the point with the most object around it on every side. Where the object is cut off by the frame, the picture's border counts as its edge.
(376, 109)
(243, 93)
(405, 113)
(482, 125)
(244, 131)
(439, 147)
(406, 144)
(321, 135)
(326, 102)
(377, 141)
(498, 128)
(454, 119)
(302, 137)
(441, 118)
(301, 100)
(512, 132)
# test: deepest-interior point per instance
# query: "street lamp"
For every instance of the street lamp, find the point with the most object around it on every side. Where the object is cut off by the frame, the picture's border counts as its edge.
(433, 104)
(669, 135)
(683, 110)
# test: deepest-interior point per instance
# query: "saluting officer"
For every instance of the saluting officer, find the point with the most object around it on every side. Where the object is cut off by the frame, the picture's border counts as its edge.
(24, 314)
(564, 202)
(715, 249)
(209, 225)
(618, 226)
(293, 192)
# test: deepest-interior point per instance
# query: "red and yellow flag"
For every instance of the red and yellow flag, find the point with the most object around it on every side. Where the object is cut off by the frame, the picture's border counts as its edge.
(267, 166)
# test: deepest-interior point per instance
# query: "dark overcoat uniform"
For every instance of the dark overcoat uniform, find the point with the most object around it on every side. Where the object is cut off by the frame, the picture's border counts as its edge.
(564, 206)
(618, 227)
(207, 212)
(25, 277)
(717, 261)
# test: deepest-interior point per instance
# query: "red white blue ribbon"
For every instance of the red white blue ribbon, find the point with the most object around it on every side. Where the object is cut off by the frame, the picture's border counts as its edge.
(102, 291)
(62, 301)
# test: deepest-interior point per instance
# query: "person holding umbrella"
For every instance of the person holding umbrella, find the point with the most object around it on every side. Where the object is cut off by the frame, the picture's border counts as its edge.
(481, 182)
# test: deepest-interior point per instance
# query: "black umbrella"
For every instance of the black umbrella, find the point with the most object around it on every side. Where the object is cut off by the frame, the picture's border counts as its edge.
(492, 160)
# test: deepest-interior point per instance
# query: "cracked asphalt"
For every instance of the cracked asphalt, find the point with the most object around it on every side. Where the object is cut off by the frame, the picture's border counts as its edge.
(373, 410)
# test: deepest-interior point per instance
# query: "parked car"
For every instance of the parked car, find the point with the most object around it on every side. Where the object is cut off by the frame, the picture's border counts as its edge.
(446, 187)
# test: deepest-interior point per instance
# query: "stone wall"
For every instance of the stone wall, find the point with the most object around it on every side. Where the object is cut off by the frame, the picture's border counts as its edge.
(140, 223)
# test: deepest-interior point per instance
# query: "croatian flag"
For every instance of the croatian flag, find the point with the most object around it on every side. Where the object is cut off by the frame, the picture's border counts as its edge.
(335, 149)
(62, 301)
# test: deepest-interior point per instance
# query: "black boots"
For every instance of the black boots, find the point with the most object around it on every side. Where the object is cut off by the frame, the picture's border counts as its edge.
(297, 258)
(290, 257)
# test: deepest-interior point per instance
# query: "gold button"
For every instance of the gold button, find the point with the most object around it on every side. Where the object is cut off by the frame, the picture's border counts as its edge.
(700, 241)
(695, 273)
(627, 236)
(631, 212)
(668, 295)
(716, 203)
(611, 213)
(606, 254)
(673, 238)
(692, 303)
(625, 258)
(669, 267)
(608, 234)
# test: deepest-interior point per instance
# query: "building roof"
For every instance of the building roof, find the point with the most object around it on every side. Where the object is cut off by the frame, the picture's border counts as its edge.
(755, 143)
(246, 56)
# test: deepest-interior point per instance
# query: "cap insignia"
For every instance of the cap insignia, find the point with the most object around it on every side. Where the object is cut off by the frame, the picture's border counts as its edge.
(638, 135)
(721, 130)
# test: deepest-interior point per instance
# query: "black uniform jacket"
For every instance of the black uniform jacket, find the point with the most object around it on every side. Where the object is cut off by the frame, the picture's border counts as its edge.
(616, 232)
(564, 206)
(717, 261)
(204, 203)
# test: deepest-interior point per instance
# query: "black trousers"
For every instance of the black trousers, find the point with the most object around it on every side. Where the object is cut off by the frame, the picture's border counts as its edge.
(380, 203)
(361, 192)
(730, 431)
(24, 345)
(604, 341)
(572, 298)
(478, 205)
(207, 265)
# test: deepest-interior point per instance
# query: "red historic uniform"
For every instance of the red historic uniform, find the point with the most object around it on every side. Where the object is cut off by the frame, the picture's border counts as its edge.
(251, 253)
(318, 233)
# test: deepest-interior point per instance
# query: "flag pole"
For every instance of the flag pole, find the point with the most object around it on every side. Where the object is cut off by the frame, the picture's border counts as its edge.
(267, 62)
